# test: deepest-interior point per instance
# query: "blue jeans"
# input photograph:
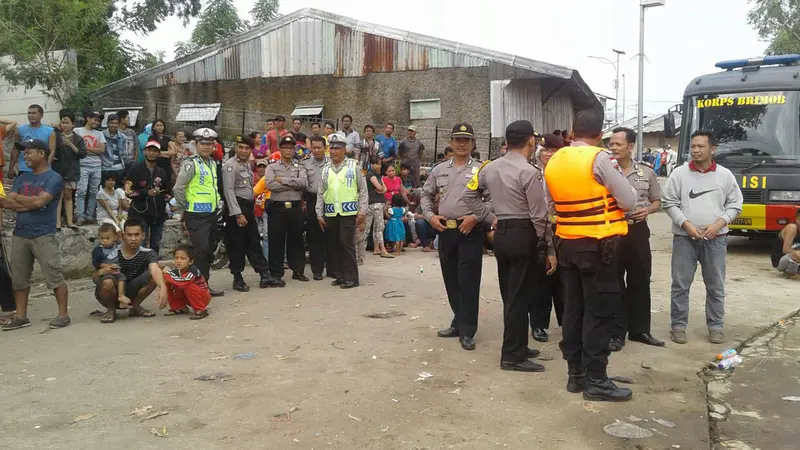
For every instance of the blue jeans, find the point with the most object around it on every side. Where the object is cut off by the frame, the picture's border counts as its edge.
(711, 254)
(87, 186)
(153, 235)
(425, 232)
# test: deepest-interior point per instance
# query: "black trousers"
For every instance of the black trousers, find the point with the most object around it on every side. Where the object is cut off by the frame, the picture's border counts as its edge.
(244, 241)
(635, 268)
(201, 228)
(285, 229)
(316, 238)
(7, 303)
(550, 295)
(461, 259)
(520, 276)
(341, 235)
(592, 299)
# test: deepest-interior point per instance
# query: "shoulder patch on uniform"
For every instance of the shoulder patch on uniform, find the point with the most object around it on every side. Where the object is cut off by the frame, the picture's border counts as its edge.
(473, 183)
(229, 169)
(188, 167)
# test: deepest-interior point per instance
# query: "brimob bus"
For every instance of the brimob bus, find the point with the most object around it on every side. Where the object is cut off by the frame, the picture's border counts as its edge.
(753, 110)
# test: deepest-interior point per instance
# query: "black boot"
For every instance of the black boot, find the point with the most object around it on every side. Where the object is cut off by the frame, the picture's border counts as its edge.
(239, 284)
(601, 389)
(576, 381)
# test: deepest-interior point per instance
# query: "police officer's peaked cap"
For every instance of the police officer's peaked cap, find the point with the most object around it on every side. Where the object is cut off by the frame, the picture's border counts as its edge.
(337, 140)
(287, 140)
(552, 141)
(463, 130)
(520, 129)
(205, 134)
(247, 140)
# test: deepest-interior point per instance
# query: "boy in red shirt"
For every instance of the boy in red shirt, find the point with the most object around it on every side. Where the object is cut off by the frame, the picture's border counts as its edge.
(187, 286)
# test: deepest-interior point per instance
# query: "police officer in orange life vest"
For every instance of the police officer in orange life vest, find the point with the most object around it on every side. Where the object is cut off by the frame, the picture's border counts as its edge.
(198, 198)
(287, 181)
(635, 259)
(522, 243)
(461, 236)
(589, 195)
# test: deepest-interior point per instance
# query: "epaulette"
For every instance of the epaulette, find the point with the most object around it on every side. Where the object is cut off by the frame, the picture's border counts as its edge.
(645, 163)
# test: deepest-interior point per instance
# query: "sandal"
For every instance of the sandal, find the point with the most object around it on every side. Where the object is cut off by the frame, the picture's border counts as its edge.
(199, 315)
(177, 312)
(387, 255)
(108, 318)
(140, 312)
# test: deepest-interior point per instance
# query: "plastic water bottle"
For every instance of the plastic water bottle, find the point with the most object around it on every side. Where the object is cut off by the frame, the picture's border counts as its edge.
(726, 354)
(421, 269)
(729, 363)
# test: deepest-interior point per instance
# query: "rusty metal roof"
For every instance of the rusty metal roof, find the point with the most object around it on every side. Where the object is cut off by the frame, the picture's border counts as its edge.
(314, 42)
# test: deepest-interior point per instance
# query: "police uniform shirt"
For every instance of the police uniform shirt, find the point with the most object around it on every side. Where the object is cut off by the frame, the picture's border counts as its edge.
(361, 184)
(294, 181)
(185, 177)
(449, 181)
(517, 193)
(644, 181)
(237, 181)
(313, 168)
(606, 171)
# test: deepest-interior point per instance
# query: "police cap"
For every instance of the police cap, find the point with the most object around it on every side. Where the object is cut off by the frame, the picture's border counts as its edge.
(552, 141)
(287, 141)
(520, 129)
(247, 140)
(336, 140)
(463, 130)
(205, 135)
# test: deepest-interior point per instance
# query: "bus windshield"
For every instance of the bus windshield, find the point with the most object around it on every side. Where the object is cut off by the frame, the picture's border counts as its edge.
(753, 127)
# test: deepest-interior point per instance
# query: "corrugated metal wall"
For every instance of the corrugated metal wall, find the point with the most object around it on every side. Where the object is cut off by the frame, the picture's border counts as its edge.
(314, 47)
(557, 112)
(522, 100)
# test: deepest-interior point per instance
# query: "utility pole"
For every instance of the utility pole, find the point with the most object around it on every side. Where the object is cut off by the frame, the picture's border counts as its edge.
(616, 89)
(624, 103)
(644, 4)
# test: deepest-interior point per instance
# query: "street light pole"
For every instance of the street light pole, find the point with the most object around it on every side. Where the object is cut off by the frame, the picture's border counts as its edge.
(616, 87)
(644, 4)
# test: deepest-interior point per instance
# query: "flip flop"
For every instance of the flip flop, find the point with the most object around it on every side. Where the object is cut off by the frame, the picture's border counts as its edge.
(141, 312)
(108, 318)
(199, 315)
(176, 312)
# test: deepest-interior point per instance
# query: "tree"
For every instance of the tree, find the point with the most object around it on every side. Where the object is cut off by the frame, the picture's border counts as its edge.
(36, 36)
(264, 11)
(220, 20)
(144, 16)
(778, 22)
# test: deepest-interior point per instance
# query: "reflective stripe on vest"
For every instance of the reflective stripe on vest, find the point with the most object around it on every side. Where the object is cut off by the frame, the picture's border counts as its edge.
(341, 193)
(201, 192)
(584, 207)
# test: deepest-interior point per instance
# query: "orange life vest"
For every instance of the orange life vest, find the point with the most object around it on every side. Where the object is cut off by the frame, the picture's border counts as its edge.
(584, 207)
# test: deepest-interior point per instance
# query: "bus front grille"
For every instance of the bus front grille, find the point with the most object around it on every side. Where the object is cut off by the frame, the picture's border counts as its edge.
(753, 195)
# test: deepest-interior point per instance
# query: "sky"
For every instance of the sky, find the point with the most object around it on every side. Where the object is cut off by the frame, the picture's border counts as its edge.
(683, 39)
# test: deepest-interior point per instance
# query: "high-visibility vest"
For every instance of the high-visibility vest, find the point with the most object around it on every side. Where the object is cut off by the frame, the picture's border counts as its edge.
(584, 207)
(341, 193)
(201, 192)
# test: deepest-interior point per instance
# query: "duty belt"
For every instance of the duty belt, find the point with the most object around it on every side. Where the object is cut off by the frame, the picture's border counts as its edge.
(634, 222)
(287, 205)
(452, 224)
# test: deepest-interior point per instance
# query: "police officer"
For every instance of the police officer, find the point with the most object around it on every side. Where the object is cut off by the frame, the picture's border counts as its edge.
(589, 194)
(341, 208)
(197, 196)
(461, 236)
(315, 235)
(287, 181)
(550, 295)
(522, 246)
(241, 230)
(635, 259)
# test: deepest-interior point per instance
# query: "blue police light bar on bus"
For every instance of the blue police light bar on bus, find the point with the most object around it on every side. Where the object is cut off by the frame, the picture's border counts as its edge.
(778, 60)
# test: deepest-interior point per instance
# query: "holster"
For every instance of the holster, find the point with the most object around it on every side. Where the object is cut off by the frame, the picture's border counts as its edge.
(608, 248)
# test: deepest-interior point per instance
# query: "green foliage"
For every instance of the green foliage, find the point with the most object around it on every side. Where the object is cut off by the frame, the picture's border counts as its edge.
(35, 32)
(778, 22)
(220, 20)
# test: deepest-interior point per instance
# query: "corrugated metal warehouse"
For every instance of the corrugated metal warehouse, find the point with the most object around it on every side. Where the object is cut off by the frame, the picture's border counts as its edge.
(316, 64)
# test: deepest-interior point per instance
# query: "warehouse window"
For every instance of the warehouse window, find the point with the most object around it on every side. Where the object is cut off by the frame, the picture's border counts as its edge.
(198, 112)
(133, 114)
(429, 108)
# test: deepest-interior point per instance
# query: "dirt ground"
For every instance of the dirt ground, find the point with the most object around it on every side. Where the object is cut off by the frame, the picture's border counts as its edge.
(350, 381)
